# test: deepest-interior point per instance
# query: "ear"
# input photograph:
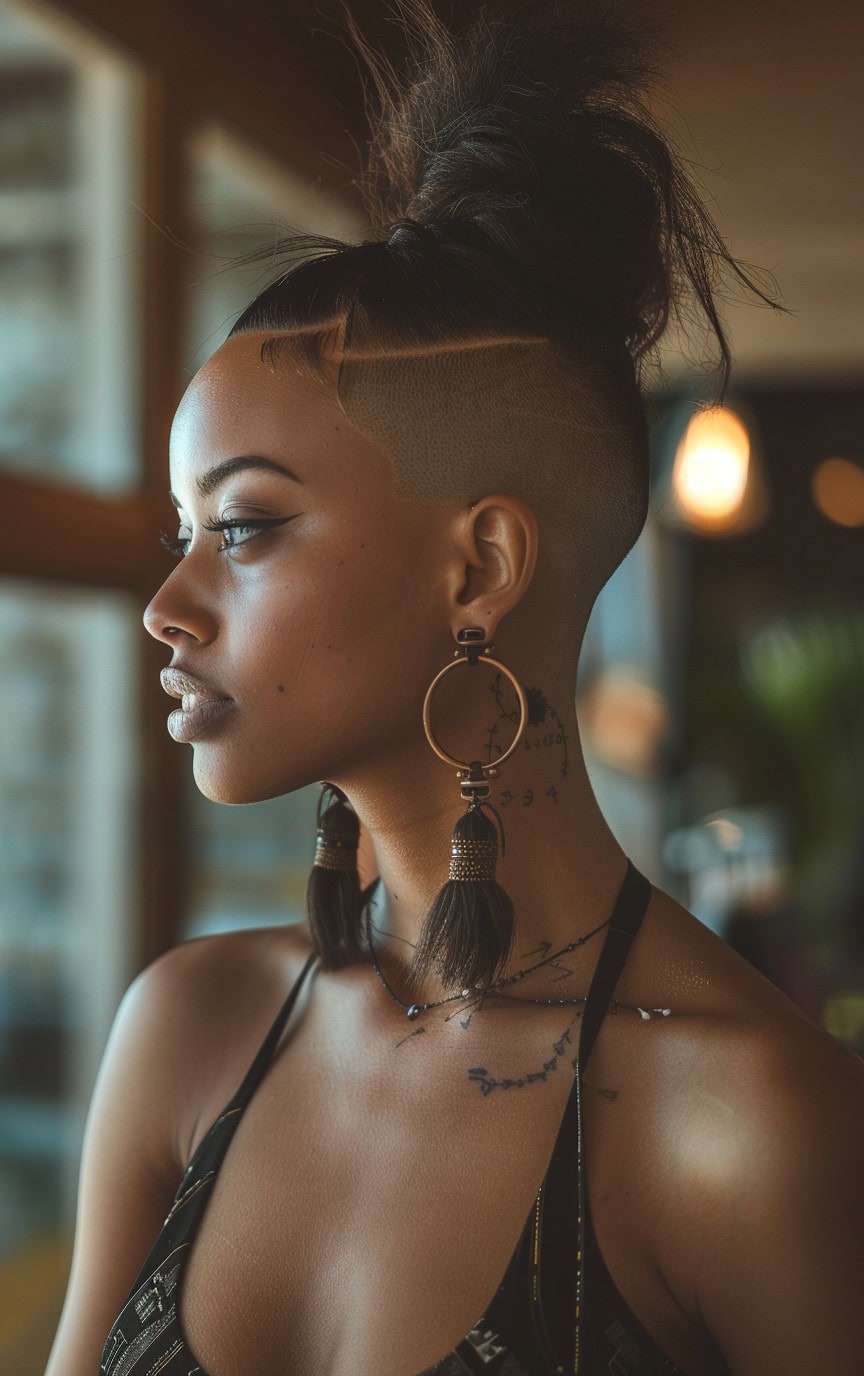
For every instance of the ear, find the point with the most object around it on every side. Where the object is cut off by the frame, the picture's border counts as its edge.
(497, 542)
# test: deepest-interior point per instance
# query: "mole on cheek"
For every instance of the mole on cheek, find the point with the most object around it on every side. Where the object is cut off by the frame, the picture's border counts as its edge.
(281, 687)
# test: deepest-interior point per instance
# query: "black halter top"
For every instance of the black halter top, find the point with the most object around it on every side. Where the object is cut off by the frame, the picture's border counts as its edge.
(553, 1312)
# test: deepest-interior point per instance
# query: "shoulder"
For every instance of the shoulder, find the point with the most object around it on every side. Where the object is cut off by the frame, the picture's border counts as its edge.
(189, 1017)
(781, 1270)
(763, 1233)
(772, 1090)
(204, 1007)
(740, 1051)
(205, 967)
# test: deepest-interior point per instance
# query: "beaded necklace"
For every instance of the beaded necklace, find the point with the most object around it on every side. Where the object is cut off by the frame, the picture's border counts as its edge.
(413, 1010)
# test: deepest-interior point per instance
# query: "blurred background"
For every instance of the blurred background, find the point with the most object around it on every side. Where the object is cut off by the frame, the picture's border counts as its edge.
(721, 681)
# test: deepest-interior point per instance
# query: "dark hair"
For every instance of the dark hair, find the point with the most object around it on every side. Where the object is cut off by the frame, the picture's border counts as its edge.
(524, 143)
(539, 203)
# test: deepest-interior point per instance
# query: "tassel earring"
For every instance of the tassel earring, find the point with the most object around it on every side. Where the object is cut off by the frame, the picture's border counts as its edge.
(333, 888)
(467, 933)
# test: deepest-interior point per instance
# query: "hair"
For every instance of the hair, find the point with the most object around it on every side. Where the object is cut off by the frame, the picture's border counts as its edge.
(546, 232)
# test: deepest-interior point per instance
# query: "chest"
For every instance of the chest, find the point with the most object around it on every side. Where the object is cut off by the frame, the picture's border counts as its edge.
(368, 1207)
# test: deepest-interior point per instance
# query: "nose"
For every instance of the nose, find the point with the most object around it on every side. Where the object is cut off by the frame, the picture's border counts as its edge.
(156, 626)
(167, 616)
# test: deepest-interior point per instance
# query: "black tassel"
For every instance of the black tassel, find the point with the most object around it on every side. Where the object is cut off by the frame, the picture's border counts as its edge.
(467, 933)
(333, 903)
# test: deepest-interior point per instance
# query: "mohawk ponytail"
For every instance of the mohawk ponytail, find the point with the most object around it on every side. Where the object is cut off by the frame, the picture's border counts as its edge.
(523, 138)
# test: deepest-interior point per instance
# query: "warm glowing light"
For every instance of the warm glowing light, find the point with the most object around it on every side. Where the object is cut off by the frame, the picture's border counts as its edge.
(711, 467)
(837, 489)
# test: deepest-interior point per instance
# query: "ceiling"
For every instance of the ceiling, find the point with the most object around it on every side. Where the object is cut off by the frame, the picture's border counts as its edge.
(770, 105)
(766, 100)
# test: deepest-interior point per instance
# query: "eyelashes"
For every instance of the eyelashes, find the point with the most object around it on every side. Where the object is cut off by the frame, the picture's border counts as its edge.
(177, 545)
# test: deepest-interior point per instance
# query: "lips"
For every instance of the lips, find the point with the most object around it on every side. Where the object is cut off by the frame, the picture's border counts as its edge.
(202, 705)
(192, 691)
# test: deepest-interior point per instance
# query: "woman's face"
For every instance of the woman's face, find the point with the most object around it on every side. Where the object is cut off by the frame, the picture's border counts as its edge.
(318, 627)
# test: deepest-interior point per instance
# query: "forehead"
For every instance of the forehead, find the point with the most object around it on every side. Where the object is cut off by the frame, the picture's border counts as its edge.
(238, 404)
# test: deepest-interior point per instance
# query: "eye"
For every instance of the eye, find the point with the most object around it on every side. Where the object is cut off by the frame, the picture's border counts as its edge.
(177, 545)
(232, 526)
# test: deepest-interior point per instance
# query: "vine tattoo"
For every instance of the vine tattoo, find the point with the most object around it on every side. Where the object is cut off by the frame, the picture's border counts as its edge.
(487, 1082)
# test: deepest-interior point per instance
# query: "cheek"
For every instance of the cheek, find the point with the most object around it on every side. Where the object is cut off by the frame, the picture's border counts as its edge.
(330, 658)
(355, 622)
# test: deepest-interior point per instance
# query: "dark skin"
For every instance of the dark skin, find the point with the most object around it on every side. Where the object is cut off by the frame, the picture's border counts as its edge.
(722, 1142)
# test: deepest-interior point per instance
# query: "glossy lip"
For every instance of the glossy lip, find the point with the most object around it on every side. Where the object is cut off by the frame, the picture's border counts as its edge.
(178, 683)
(201, 704)
(187, 724)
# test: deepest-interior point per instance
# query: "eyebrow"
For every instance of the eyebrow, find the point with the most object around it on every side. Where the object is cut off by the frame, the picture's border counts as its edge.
(209, 481)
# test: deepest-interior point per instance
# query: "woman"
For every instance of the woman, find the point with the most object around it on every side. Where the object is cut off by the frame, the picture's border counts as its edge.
(426, 453)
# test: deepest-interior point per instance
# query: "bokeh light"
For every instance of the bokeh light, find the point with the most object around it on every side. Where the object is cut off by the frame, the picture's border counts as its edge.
(837, 488)
(711, 468)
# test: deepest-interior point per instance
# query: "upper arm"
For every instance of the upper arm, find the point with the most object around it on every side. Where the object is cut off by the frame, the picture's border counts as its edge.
(130, 1162)
(780, 1280)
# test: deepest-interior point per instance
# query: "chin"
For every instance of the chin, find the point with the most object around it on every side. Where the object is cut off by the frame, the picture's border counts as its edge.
(236, 783)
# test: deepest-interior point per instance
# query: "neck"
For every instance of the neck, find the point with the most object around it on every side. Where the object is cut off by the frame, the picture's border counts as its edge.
(562, 866)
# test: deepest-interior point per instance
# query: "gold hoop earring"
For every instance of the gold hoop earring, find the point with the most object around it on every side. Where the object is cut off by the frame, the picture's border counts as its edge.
(467, 932)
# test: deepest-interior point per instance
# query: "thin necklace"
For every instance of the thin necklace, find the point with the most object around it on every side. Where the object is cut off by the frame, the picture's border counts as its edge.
(413, 1010)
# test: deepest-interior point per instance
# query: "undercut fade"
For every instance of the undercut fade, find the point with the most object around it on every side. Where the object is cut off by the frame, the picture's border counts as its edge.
(546, 231)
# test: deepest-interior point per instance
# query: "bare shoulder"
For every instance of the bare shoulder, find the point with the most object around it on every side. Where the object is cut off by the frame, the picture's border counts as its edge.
(206, 967)
(219, 994)
(757, 1149)
(157, 1078)
(736, 1042)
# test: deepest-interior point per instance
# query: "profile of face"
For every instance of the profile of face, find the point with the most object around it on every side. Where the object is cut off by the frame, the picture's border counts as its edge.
(323, 626)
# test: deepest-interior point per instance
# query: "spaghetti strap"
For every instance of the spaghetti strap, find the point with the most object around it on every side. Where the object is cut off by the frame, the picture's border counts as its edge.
(564, 1185)
(630, 908)
(262, 1059)
(626, 920)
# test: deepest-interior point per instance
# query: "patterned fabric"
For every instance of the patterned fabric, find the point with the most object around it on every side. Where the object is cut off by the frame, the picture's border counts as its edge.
(481, 1351)
(562, 1317)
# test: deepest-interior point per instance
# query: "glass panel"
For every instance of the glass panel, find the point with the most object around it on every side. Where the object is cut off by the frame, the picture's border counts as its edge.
(240, 200)
(69, 253)
(250, 863)
(623, 692)
(67, 779)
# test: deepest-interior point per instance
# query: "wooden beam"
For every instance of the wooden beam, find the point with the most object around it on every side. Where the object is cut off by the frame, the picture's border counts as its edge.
(57, 531)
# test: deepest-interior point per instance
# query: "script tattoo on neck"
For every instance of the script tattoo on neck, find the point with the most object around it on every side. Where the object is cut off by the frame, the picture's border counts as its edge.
(550, 737)
(488, 1082)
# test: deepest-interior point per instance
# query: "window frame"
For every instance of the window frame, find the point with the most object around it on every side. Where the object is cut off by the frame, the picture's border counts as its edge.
(58, 531)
